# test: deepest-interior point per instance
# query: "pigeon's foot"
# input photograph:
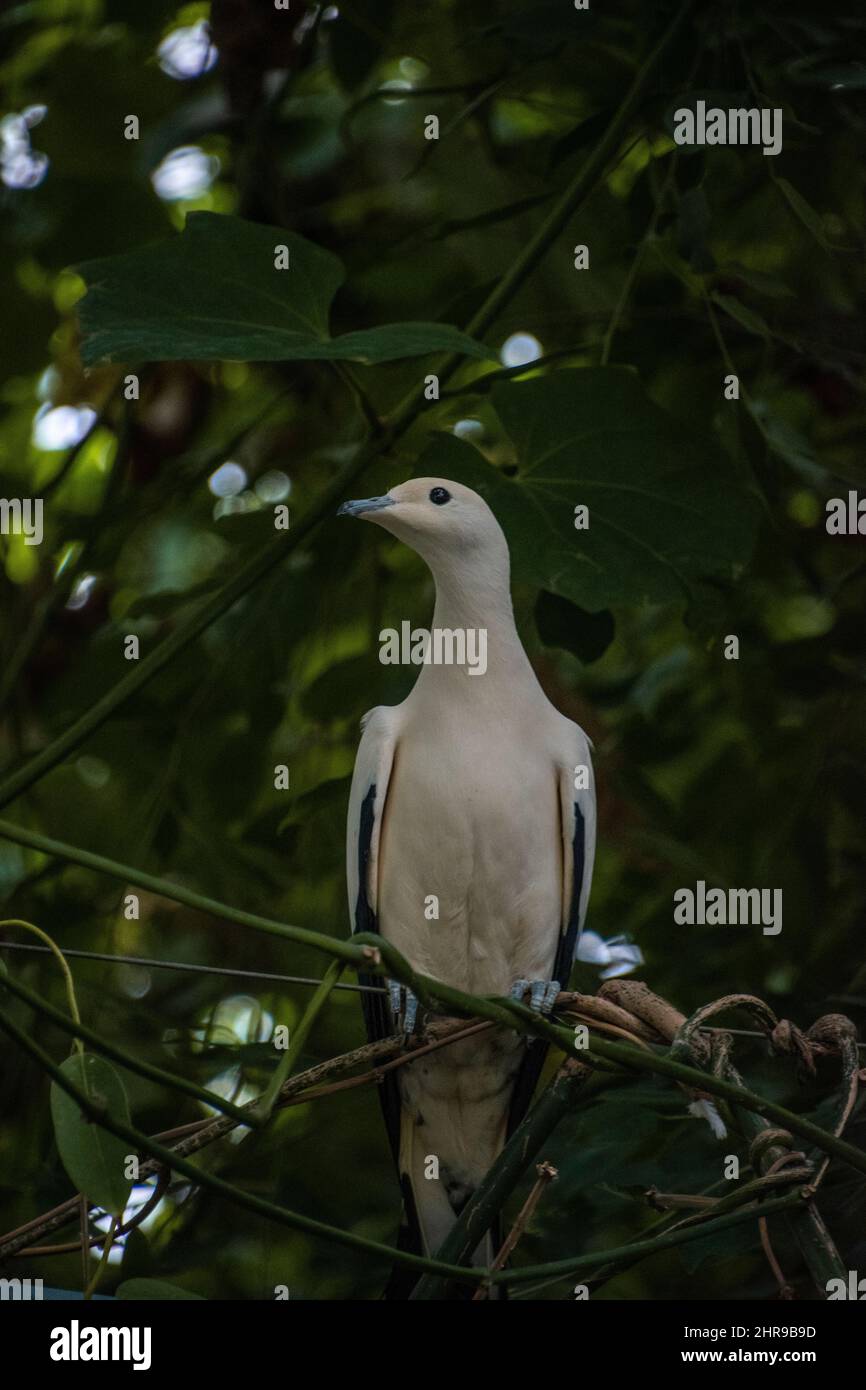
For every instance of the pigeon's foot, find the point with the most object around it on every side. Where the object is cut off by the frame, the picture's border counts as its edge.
(542, 994)
(404, 1006)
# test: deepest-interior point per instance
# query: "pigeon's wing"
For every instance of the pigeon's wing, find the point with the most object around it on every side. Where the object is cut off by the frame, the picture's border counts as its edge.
(577, 817)
(367, 801)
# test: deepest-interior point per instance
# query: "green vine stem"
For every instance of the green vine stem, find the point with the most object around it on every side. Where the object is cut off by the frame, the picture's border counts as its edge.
(67, 974)
(236, 1195)
(80, 1031)
(375, 955)
(572, 1265)
(264, 1107)
(578, 1265)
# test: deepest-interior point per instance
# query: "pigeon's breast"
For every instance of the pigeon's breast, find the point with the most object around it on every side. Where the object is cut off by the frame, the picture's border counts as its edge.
(470, 868)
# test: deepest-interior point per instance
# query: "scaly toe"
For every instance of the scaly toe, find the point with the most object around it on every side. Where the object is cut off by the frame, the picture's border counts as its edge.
(404, 1006)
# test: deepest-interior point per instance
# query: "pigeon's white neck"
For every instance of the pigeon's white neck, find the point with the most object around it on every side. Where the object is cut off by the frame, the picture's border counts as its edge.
(473, 596)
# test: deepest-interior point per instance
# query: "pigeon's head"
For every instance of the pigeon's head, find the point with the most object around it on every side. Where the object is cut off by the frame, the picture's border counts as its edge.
(443, 521)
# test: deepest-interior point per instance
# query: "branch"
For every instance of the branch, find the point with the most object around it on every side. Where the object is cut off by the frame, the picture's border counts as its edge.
(577, 1265)
(546, 1175)
(237, 1196)
(831, 1033)
(297, 1090)
(375, 955)
(127, 873)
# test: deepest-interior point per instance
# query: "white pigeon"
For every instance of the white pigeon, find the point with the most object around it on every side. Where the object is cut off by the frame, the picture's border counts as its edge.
(477, 793)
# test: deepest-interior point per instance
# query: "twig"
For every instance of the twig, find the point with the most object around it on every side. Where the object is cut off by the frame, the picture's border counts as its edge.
(546, 1175)
(69, 984)
(581, 186)
(140, 1216)
(90, 1288)
(83, 1210)
(786, 1290)
(576, 1265)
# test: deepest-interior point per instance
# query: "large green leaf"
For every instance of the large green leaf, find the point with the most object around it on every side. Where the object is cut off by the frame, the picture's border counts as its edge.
(357, 38)
(810, 219)
(93, 1158)
(666, 506)
(564, 624)
(213, 293)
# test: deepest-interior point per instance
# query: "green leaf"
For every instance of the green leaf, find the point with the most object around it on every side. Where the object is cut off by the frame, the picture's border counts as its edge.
(395, 340)
(537, 27)
(839, 77)
(94, 1159)
(747, 318)
(586, 132)
(757, 280)
(810, 219)
(563, 624)
(789, 444)
(147, 1290)
(693, 227)
(356, 40)
(666, 506)
(213, 293)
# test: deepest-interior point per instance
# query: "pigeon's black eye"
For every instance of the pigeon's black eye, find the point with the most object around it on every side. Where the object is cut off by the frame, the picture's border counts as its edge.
(440, 495)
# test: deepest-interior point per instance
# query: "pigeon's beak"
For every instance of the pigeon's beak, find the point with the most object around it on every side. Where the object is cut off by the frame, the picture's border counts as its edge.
(364, 505)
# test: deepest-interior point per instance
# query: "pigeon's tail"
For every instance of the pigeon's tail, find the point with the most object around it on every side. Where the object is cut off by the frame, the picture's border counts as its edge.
(434, 1194)
(403, 1279)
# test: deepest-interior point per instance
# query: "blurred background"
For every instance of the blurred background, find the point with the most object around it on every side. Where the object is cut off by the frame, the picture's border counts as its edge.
(743, 773)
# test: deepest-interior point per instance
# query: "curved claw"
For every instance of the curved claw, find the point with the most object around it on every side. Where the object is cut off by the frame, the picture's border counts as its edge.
(404, 1005)
(542, 993)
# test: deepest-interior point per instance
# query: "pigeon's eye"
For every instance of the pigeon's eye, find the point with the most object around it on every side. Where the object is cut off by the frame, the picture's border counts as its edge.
(440, 495)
